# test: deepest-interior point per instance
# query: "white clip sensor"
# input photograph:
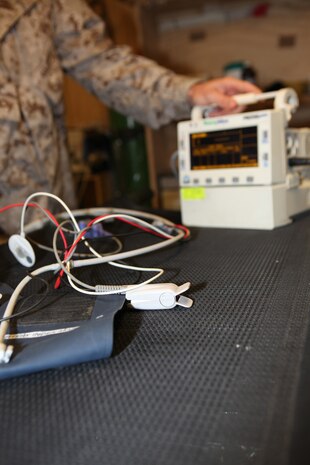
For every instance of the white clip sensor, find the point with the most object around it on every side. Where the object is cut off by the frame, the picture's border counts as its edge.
(22, 250)
(159, 296)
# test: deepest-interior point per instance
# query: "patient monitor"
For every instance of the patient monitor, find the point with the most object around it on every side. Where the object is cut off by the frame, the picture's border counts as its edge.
(246, 170)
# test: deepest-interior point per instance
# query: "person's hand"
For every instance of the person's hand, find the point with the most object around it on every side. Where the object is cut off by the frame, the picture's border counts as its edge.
(218, 93)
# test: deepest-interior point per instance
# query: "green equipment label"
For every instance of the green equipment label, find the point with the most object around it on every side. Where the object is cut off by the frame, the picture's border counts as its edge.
(193, 193)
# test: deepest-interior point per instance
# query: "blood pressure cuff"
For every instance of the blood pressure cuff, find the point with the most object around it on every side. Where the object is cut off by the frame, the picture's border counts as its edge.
(52, 345)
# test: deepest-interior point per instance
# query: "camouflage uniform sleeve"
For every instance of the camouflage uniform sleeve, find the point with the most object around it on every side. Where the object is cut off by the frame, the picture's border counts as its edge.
(129, 83)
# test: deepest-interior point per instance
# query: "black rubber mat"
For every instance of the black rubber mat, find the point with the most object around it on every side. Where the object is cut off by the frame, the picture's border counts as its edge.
(218, 383)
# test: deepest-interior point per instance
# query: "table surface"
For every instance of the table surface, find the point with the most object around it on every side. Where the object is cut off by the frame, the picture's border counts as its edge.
(224, 382)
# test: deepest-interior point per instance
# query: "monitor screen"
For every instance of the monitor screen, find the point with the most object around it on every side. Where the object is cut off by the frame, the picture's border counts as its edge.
(230, 148)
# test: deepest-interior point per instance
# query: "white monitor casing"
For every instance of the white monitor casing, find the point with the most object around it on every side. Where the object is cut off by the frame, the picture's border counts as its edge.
(263, 196)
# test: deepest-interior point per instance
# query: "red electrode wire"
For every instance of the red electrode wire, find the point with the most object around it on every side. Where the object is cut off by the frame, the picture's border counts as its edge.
(51, 216)
(33, 205)
(82, 233)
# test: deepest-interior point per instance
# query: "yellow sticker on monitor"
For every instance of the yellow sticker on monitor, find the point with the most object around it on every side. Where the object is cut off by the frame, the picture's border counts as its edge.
(193, 193)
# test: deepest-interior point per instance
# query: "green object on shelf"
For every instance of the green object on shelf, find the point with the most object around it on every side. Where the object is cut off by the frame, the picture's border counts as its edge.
(129, 159)
(241, 70)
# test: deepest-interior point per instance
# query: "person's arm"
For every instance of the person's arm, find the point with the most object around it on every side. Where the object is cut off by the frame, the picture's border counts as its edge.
(219, 93)
(128, 83)
(124, 81)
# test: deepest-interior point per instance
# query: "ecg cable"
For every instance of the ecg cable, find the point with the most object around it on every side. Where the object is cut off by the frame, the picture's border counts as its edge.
(153, 294)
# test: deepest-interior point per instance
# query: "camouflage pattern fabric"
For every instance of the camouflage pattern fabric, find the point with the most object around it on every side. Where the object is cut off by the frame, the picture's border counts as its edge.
(39, 41)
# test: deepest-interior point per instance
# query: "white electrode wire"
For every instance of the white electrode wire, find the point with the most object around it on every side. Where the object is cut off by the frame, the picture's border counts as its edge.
(134, 221)
(113, 257)
(13, 299)
(132, 267)
(38, 244)
(128, 254)
(131, 253)
(117, 289)
(111, 261)
(43, 210)
(38, 224)
(122, 211)
(64, 205)
(45, 194)
(160, 271)
(118, 243)
(106, 289)
(62, 263)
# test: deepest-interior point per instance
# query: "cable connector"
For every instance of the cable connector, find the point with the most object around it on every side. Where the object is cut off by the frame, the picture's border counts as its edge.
(159, 296)
(6, 352)
(165, 228)
(109, 288)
